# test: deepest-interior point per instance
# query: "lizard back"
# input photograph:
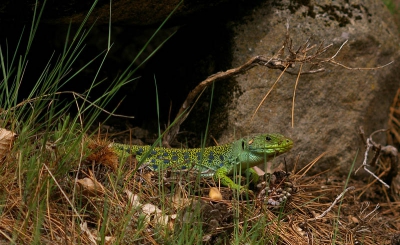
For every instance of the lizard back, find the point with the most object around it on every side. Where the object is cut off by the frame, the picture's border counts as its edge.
(205, 160)
(243, 153)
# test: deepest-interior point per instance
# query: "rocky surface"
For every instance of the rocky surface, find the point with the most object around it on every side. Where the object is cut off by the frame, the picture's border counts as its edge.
(329, 106)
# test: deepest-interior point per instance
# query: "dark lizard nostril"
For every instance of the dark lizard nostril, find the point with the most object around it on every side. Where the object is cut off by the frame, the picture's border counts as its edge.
(268, 138)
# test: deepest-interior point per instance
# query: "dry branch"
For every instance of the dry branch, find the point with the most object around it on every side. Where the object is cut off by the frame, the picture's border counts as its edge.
(388, 150)
(184, 112)
(287, 57)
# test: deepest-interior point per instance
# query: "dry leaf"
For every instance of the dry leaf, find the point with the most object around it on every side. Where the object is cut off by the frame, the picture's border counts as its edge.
(108, 240)
(90, 186)
(172, 221)
(86, 230)
(214, 194)
(354, 220)
(133, 198)
(259, 171)
(147, 177)
(149, 208)
(162, 219)
(6, 141)
(93, 235)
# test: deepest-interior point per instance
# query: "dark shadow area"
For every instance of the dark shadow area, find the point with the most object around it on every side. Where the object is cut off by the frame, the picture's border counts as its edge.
(200, 47)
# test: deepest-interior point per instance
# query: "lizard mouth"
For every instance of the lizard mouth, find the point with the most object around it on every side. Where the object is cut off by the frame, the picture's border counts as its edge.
(284, 149)
(289, 144)
(283, 146)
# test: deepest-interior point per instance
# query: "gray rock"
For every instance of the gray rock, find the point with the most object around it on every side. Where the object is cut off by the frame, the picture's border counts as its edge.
(329, 106)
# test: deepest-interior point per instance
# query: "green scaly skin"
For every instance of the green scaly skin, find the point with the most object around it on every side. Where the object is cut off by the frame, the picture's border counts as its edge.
(217, 161)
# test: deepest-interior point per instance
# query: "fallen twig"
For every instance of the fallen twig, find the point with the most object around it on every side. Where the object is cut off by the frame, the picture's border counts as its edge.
(333, 203)
(379, 149)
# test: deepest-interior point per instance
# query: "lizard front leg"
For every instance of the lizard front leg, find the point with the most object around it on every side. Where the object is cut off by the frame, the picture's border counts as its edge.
(221, 175)
(252, 176)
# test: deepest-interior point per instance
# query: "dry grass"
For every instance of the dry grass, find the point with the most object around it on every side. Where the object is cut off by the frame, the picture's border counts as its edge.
(53, 196)
(124, 206)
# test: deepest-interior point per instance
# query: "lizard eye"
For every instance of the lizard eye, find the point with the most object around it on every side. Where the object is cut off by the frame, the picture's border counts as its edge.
(267, 138)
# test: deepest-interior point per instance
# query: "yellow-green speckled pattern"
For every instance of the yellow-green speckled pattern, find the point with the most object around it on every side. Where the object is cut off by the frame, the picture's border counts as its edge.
(217, 161)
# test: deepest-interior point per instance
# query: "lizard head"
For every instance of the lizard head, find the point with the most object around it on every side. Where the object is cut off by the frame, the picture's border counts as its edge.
(269, 144)
(253, 150)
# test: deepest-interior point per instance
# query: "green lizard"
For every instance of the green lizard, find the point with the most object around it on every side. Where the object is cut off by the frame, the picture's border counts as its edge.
(217, 161)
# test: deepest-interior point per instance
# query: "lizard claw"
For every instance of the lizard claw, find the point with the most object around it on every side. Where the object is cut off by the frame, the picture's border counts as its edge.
(244, 190)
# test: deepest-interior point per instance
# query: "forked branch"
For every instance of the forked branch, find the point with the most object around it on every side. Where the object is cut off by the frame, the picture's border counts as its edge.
(287, 57)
